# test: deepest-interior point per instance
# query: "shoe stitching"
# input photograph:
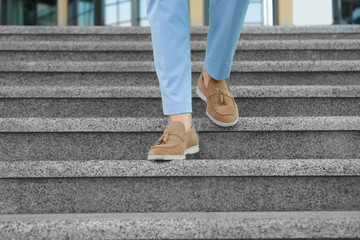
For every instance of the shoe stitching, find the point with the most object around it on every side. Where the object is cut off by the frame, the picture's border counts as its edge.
(165, 137)
(222, 93)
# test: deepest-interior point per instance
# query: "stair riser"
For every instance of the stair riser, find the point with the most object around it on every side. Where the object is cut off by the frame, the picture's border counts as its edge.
(152, 107)
(248, 55)
(147, 37)
(179, 194)
(150, 78)
(196, 225)
(196, 66)
(135, 145)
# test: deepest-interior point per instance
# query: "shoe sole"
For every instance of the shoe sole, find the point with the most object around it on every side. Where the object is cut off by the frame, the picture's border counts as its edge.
(222, 124)
(191, 150)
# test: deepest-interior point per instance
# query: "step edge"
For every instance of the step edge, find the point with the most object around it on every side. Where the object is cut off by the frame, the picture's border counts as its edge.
(181, 168)
(194, 225)
(134, 124)
(196, 66)
(243, 45)
(320, 29)
(238, 91)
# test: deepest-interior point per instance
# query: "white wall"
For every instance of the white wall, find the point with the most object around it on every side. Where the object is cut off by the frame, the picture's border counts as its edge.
(312, 12)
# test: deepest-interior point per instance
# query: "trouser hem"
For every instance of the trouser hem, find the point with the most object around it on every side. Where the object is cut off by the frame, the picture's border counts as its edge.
(176, 108)
(216, 75)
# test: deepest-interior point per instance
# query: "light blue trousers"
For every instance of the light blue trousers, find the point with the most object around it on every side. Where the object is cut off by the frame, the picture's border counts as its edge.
(170, 33)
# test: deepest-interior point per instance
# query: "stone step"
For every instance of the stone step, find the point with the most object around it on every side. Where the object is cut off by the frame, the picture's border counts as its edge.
(136, 186)
(180, 168)
(131, 125)
(125, 107)
(183, 194)
(102, 79)
(78, 33)
(130, 138)
(148, 66)
(278, 45)
(195, 225)
(141, 91)
(142, 51)
(145, 101)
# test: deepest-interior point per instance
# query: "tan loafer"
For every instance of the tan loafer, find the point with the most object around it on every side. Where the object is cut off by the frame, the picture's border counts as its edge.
(221, 106)
(174, 143)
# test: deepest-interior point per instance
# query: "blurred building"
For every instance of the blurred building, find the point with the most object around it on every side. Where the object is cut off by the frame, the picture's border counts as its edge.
(133, 12)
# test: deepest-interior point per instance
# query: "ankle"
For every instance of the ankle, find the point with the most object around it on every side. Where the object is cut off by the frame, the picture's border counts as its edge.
(206, 77)
(184, 118)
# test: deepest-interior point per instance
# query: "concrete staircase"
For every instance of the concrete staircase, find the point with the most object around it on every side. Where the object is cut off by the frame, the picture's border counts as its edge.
(80, 107)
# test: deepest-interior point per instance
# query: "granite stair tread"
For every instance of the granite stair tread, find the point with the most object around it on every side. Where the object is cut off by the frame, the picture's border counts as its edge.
(185, 225)
(311, 44)
(194, 29)
(106, 33)
(149, 124)
(148, 66)
(180, 168)
(146, 91)
(104, 79)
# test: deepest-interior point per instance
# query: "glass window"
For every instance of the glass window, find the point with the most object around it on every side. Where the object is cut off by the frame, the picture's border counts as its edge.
(46, 13)
(356, 14)
(351, 11)
(142, 13)
(254, 14)
(81, 12)
(85, 13)
(28, 12)
(110, 13)
(118, 12)
(346, 11)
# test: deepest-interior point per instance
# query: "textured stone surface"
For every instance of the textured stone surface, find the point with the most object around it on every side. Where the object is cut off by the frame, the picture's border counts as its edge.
(124, 107)
(81, 79)
(339, 123)
(102, 37)
(132, 145)
(245, 66)
(30, 33)
(104, 79)
(117, 34)
(142, 51)
(195, 45)
(194, 29)
(154, 91)
(179, 194)
(263, 225)
(194, 36)
(182, 168)
(240, 55)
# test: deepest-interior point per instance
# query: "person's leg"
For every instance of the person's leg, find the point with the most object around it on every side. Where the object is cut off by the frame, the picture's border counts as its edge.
(226, 18)
(170, 32)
